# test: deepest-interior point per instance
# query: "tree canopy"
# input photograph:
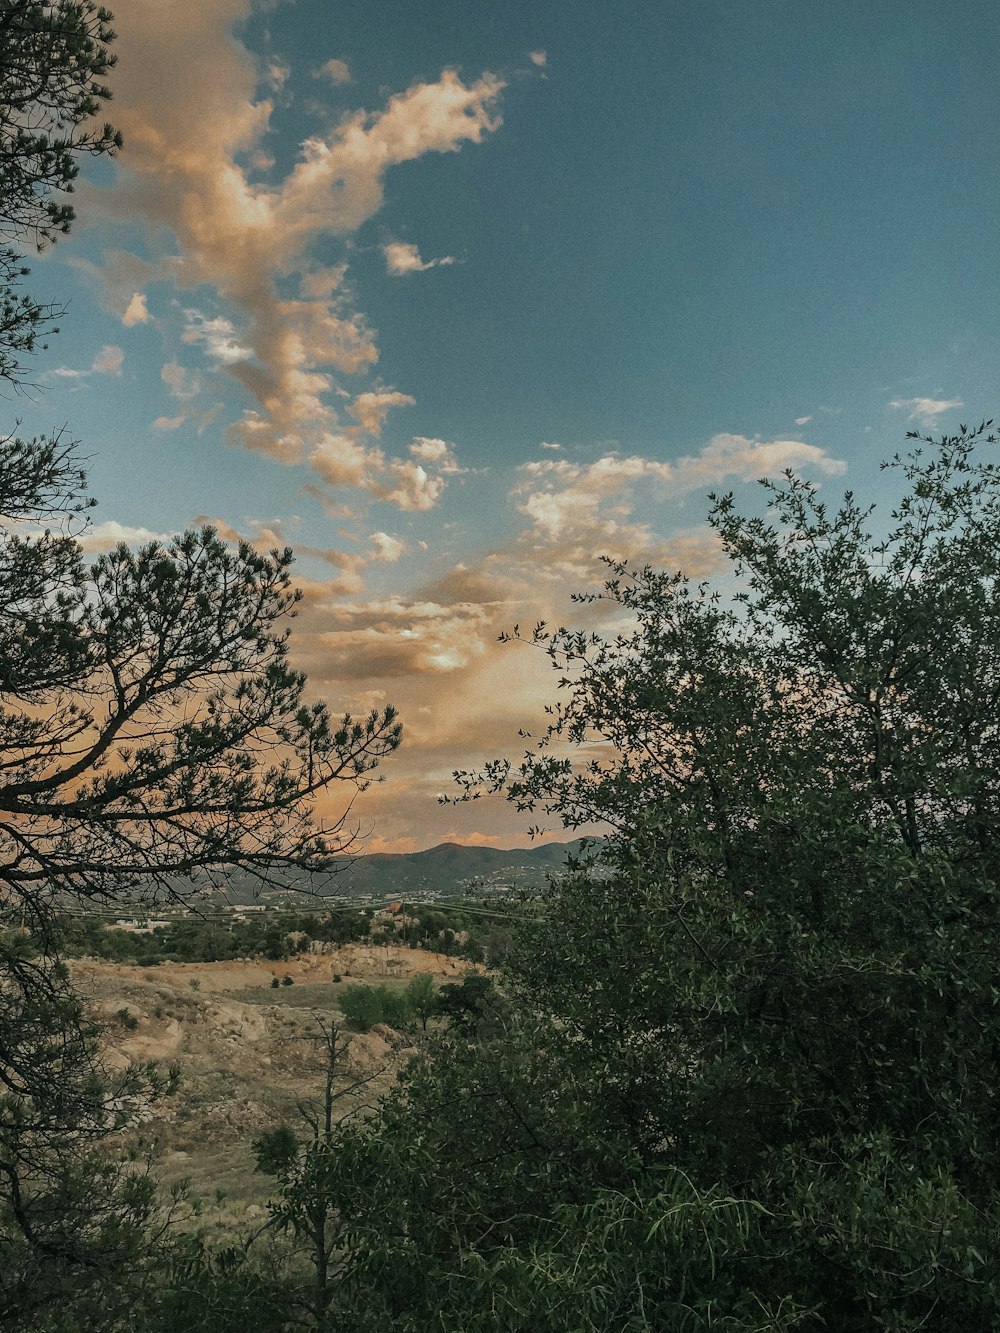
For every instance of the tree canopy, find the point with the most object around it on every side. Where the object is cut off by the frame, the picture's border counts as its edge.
(151, 729)
(746, 1075)
(54, 58)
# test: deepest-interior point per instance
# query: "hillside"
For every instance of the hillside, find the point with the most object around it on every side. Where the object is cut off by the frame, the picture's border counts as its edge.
(448, 870)
(246, 1056)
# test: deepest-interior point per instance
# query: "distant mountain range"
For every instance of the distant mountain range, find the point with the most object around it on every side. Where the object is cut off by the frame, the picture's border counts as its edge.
(447, 871)
(452, 868)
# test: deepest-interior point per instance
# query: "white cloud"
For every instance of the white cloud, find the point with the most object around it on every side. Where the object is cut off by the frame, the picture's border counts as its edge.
(218, 336)
(550, 444)
(187, 99)
(925, 410)
(386, 550)
(336, 71)
(410, 486)
(432, 451)
(538, 58)
(586, 510)
(109, 534)
(108, 361)
(136, 311)
(402, 258)
(802, 421)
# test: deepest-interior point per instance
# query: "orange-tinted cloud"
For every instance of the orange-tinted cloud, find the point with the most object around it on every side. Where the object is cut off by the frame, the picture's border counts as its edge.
(433, 651)
(186, 97)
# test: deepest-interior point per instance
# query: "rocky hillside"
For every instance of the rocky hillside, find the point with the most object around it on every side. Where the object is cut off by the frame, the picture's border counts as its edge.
(247, 1055)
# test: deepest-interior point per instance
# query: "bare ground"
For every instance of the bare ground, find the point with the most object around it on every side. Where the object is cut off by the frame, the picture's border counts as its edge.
(247, 1055)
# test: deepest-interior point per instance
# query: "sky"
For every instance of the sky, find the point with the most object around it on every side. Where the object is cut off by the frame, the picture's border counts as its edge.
(456, 297)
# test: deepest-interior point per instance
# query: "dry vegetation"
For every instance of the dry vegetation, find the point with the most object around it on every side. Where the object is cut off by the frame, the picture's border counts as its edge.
(247, 1054)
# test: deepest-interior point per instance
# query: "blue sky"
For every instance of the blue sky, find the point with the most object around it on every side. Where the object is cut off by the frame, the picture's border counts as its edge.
(456, 297)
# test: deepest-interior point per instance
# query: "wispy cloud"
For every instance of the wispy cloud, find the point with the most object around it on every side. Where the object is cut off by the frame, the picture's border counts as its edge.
(108, 361)
(275, 320)
(586, 508)
(402, 258)
(925, 410)
(433, 649)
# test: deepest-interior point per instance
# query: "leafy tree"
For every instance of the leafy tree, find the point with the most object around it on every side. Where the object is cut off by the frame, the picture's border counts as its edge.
(471, 1003)
(361, 1006)
(364, 1006)
(202, 1290)
(747, 1079)
(150, 728)
(422, 997)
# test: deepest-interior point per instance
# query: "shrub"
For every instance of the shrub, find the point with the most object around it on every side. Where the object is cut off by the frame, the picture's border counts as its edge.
(364, 1006)
(275, 1151)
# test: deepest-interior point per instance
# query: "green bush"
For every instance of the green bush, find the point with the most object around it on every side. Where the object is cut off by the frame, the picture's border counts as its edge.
(364, 1006)
(275, 1151)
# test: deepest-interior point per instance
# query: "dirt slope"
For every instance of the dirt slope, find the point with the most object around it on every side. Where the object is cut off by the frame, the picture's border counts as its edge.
(247, 1055)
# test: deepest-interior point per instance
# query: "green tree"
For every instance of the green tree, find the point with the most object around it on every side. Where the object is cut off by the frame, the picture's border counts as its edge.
(361, 1006)
(747, 1079)
(364, 1006)
(469, 1004)
(422, 998)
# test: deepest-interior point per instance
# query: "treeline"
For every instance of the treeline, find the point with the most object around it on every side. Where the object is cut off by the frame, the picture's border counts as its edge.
(472, 934)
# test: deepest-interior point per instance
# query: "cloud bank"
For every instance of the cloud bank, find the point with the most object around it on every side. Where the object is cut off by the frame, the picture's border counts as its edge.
(263, 312)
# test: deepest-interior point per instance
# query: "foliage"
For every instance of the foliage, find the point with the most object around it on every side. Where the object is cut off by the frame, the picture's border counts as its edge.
(364, 1006)
(151, 728)
(421, 996)
(275, 1150)
(164, 681)
(70, 1215)
(198, 1290)
(471, 1004)
(206, 940)
(745, 1079)
(54, 59)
